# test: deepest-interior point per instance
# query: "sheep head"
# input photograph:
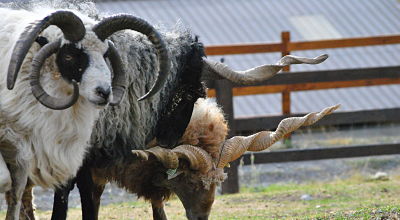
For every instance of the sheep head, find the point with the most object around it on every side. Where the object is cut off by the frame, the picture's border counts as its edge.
(80, 58)
(195, 167)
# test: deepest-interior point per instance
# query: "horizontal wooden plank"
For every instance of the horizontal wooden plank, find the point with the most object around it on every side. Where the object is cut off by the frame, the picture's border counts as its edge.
(333, 75)
(341, 43)
(255, 90)
(328, 76)
(242, 48)
(302, 45)
(321, 153)
(319, 80)
(339, 118)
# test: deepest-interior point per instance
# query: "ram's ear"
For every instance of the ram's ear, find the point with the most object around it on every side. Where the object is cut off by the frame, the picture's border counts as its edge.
(41, 41)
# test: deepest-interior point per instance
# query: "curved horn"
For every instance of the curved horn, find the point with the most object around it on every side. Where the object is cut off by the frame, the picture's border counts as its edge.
(119, 80)
(143, 155)
(198, 158)
(37, 89)
(115, 23)
(165, 156)
(70, 24)
(235, 147)
(216, 70)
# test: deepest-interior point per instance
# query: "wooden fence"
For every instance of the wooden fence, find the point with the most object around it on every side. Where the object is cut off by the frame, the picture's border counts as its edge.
(285, 83)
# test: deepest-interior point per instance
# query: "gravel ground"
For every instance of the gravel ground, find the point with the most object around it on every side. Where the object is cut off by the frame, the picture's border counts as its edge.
(44, 197)
(263, 175)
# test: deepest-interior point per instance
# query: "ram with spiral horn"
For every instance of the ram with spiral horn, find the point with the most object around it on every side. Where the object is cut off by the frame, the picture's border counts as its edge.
(54, 81)
(164, 118)
(192, 171)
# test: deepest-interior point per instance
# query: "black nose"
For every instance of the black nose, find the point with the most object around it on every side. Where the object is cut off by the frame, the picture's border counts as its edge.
(104, 93)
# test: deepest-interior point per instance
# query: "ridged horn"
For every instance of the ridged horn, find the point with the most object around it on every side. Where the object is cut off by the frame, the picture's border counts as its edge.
(70, 24)
(119, 80)
(235, 147)
(198, 158)
(143, 155)
(215, 70)
(115, 23)
(165, 156)
(37, 89)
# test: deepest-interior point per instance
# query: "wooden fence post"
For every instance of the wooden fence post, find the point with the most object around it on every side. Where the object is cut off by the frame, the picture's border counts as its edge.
(223, 89)
(285, 37)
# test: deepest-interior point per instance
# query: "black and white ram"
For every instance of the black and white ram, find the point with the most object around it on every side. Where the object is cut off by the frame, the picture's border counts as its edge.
(49, 104)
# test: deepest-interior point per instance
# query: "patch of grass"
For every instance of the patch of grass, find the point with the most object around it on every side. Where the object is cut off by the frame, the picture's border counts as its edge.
(386, 212)
(374, 163)
(353, 198)
(273, 188)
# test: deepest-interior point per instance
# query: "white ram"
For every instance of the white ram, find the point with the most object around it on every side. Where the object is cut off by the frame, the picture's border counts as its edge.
(50, 103)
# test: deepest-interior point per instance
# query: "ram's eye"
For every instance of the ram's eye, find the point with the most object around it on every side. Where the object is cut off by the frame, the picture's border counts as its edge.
(68, 57)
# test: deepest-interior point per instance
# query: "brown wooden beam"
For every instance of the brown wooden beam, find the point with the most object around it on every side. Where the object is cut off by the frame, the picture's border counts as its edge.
(328, 76)
(255, 90)
(302, 45)
(321, 153)
(339, 118)
(285, 38)
(286, 102)
(341, 43)
(242, 49)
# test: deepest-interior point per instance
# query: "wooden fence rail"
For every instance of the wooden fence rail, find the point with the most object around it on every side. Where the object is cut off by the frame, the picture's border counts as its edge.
(244, 125)
(320, 153)
(300, 81)
(285, 83)
(301, 45)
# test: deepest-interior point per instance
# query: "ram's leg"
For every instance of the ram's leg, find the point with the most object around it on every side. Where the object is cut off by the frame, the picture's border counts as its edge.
(5, 178)
(97, 192)
(158, 209)
(60, 203)
(27, 208)
(84, 182)
(19, 177)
